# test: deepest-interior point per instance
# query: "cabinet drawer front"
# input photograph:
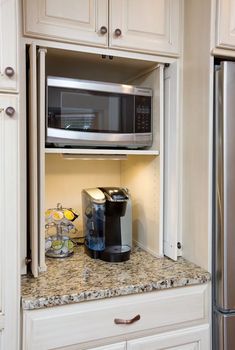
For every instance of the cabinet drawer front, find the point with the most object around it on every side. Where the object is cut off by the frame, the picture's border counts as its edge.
(195, 338)
(94, 320)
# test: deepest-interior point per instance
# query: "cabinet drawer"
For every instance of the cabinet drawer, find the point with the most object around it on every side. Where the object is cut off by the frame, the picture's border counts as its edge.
(94, 320)
(195, 338)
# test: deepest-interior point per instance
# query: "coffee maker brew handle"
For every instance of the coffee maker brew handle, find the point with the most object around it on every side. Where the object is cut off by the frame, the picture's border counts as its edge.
(132, 320)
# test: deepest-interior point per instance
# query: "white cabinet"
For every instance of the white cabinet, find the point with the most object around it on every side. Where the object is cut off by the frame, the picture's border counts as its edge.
(225, 30)
(9, 178)
(9, 219)
(8, 45)
(93, 321)
(72, 20)
(148, 26)
(195, 338)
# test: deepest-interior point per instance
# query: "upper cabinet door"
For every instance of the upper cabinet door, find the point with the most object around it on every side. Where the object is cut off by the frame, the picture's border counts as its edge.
(79, 21)
(225, 31)
(149, 26)
(8, 46)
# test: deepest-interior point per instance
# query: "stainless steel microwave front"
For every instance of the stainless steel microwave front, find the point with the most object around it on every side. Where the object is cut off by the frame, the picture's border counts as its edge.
(84, 113)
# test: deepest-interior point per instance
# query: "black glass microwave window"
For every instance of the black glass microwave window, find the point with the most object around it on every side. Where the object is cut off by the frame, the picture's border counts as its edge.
(91, 111)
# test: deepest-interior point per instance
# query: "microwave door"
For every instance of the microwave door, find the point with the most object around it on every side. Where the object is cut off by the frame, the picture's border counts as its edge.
(92, 119)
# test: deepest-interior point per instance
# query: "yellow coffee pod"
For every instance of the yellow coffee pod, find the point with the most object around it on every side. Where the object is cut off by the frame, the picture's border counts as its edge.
(68, 214)
(48, 213)
(57, 215)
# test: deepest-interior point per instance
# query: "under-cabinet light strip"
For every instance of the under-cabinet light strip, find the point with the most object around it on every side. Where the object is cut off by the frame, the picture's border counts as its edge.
(69, 156)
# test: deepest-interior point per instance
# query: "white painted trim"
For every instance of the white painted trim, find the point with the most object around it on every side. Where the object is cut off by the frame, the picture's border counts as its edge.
(210, 168)
(213, 24)
(102, 151)
(97, 50)
(223, 52)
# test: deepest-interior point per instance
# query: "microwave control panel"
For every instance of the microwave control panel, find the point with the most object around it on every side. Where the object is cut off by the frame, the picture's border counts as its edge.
(143, 115)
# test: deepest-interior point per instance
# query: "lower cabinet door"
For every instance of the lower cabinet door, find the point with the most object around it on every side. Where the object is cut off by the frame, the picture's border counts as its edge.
(195, 338)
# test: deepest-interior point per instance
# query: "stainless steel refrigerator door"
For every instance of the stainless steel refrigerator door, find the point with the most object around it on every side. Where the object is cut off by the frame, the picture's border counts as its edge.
(224, 326)
(225, 188)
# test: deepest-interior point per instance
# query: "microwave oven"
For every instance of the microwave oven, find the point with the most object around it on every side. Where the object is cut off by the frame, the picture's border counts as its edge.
(82, 113)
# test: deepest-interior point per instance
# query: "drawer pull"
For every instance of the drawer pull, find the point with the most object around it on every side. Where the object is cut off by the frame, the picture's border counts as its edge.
(132, 320)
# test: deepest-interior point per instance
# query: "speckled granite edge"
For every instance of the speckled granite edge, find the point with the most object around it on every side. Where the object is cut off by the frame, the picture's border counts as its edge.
(84, 279)
(38, 303)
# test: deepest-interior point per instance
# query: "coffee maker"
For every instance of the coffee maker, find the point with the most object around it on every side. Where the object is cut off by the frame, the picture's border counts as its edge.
(107, 223)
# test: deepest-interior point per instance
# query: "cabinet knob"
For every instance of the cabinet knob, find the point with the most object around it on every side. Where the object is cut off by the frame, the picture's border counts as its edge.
(9, 71)
(132, 320)
(118, 32)
(103, 30)
(10, 111)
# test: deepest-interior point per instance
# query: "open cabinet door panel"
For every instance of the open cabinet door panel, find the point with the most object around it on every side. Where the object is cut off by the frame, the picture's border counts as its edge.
(33, 208)
(143, 175)
(36, 98)
(41, 155)
(171, 162)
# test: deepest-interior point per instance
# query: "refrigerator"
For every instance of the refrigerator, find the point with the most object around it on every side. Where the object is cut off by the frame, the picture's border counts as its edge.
(223, 279)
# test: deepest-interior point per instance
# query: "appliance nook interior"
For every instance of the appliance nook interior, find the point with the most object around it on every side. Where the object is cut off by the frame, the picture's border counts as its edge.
(61, 173)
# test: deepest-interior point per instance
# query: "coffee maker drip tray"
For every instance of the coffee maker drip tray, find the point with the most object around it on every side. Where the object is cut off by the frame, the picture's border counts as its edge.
(116, 253)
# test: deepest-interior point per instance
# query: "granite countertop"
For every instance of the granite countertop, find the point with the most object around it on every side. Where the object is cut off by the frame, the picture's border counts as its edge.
(79, 278)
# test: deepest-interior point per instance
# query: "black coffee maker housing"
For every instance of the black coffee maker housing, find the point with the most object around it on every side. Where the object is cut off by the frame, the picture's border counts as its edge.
(118, 226)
